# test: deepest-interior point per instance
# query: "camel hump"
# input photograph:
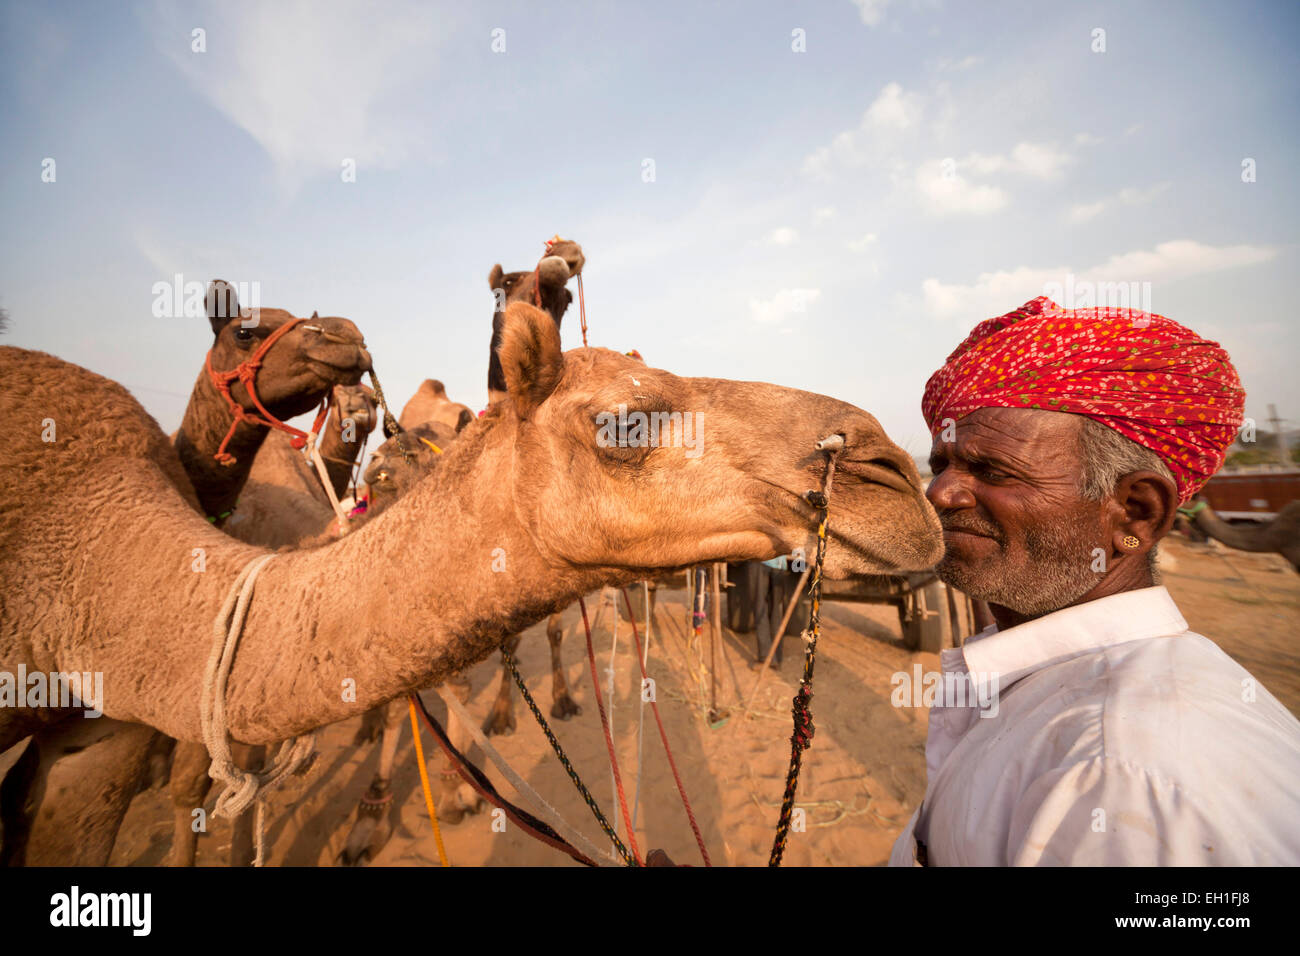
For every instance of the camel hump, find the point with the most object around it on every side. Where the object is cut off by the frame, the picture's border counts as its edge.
(65, 419)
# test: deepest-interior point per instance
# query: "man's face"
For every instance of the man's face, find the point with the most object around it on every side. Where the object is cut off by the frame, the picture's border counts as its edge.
(1016, 530)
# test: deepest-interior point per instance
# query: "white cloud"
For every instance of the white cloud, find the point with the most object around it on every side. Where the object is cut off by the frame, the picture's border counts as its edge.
(824, 213)
(995, 293)
(1037, 160)
(893, 111)
(863, 244)
(783, 305)
(783, 236)
(953, 66)
(313, 84)
(871, 11)
(1083, 212)
(944, 191)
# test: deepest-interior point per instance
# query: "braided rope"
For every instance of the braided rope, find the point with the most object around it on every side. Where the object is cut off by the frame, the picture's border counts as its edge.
(609, 831)
(391, 428)
(242, 788)
(802, 734)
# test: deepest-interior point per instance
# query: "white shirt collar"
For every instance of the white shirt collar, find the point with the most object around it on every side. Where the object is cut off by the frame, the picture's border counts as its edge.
(1072, 632)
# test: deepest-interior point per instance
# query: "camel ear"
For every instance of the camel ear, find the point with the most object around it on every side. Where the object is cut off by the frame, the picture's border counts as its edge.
(466, 418)
(495, 276)
(222, 304)
(530, 356)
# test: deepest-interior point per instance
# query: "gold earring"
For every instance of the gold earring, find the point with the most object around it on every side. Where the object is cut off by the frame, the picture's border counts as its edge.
(1131, 542)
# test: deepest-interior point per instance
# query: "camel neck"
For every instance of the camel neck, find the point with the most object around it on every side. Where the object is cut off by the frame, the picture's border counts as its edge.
(448, 573)
(340, 455)
(207, 420)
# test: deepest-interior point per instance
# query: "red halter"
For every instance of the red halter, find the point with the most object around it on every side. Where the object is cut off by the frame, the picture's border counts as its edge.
(246, 372)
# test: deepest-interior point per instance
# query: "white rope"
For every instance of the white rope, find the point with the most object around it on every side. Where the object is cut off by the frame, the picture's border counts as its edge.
(313, 452)
(522, 787)
(242, 788)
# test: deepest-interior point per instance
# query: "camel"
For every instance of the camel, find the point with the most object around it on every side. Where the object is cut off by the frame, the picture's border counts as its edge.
(308, 359)
(543, 286)
(527, 510)
(279, 497)
(283, 502)
(431, 404)
(397, 466)
(1281, 535)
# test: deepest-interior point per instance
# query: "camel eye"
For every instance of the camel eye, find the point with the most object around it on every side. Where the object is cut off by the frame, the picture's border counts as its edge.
(243, 336)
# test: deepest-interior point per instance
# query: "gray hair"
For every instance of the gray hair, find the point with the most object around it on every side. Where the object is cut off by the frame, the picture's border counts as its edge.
(1107, 457)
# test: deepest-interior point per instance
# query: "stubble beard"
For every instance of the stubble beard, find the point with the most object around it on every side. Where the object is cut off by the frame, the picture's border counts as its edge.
(1053, 571)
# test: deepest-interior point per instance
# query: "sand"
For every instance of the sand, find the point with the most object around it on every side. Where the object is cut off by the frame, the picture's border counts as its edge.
(861, 780)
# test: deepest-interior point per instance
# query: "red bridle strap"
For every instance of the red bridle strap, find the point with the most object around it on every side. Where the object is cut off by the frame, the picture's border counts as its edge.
(246, 372)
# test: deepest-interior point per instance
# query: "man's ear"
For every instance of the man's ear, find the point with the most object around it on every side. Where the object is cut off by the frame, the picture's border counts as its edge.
(495, 276)
(222, 304)
(530, 355)
(1147, 504)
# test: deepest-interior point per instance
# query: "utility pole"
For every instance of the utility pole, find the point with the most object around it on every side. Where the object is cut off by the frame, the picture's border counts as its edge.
(1276, 422)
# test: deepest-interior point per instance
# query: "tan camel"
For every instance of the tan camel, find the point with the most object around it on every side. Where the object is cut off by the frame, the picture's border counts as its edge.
(1281, 535)
(529, 509)
(431, 404)
(280, 498)
(308, 358)
(283, 502)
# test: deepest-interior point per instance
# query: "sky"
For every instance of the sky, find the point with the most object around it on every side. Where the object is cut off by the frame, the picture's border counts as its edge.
(822, 195)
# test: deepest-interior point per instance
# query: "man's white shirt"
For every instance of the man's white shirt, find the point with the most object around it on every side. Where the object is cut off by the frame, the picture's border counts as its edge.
(1119, 737)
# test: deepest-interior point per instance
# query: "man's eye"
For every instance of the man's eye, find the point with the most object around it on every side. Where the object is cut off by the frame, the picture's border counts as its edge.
(987, 473)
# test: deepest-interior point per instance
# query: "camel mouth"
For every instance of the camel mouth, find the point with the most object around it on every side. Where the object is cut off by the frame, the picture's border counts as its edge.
(339, 364)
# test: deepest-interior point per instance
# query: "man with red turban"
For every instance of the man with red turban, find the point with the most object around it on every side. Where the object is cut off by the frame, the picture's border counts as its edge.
(1103, 732)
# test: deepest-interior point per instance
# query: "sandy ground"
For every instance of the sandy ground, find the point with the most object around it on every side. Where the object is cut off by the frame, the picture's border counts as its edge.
(862, 778)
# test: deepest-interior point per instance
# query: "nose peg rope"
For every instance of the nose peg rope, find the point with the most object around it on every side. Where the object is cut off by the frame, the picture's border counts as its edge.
(801, 712)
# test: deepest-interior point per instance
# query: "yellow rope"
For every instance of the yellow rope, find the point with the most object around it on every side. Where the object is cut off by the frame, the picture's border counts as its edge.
(436, 449)
(424, 781)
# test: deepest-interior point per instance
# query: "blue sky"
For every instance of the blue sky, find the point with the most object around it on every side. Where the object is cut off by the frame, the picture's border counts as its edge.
(835, 219)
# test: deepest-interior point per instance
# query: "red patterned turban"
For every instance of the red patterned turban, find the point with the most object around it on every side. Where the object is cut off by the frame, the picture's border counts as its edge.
(1149, 378)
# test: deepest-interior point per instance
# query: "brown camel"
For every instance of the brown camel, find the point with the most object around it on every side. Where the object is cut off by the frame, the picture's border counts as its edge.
(395, 468)
(306, 361)
(528, 510)
(543, 286)
(1281, 535)
(280, 499)
(284, 502)
(431, 404)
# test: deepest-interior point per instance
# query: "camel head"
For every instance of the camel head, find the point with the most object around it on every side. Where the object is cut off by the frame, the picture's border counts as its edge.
(390, 474)
(620, 465)
(299, 369)
(356, 402)
(563, 260)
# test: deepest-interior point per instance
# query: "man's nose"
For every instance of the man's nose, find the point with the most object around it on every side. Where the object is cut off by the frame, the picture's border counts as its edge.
(950, 491)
